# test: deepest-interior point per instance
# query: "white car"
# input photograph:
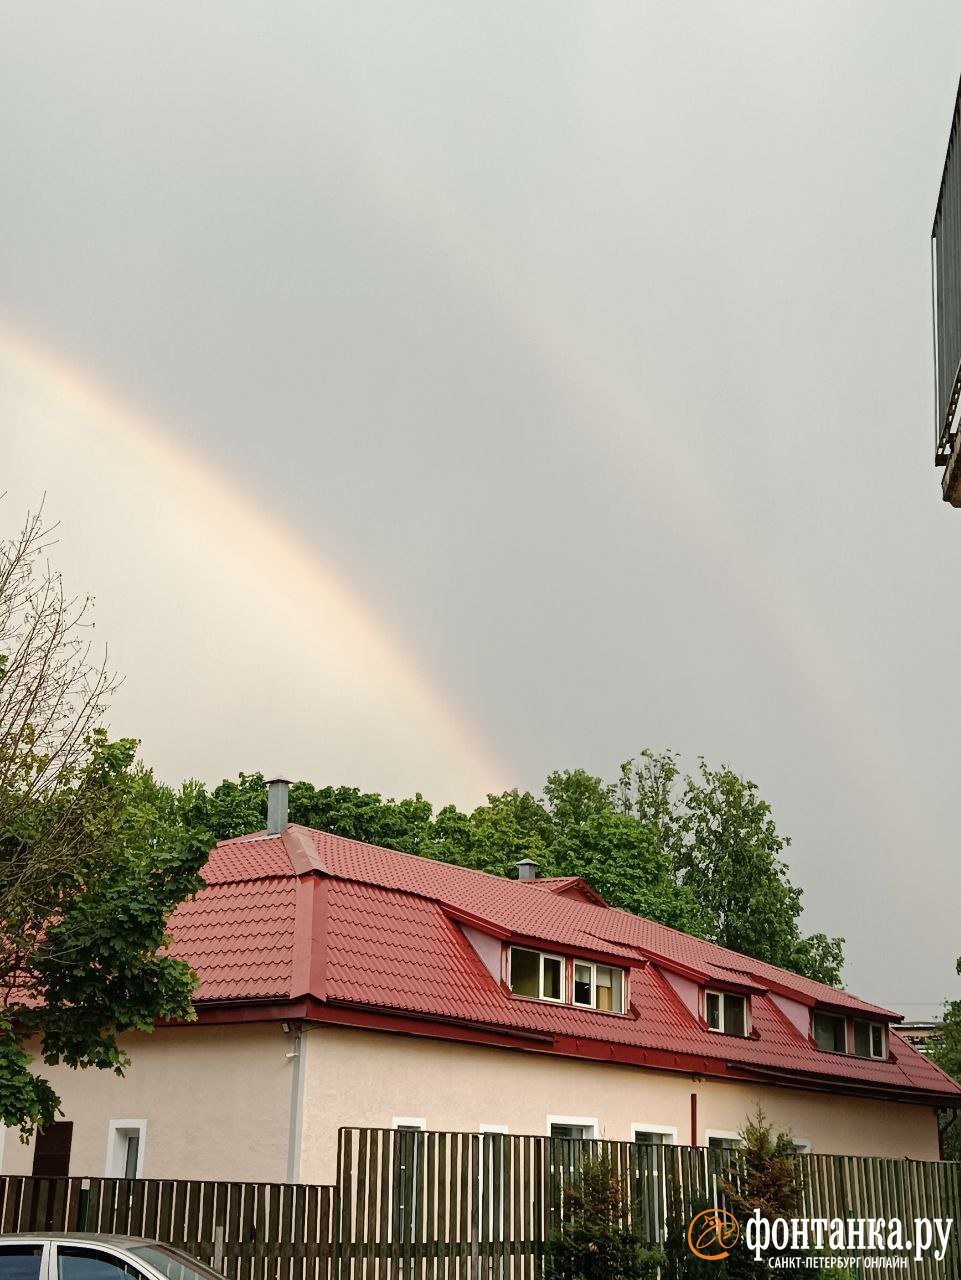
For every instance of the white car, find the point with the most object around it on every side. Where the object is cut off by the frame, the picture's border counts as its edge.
(53, 1255)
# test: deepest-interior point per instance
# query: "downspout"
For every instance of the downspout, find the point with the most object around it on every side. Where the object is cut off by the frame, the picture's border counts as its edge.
(693, 1119)
(942, 1130)
(295, 1130)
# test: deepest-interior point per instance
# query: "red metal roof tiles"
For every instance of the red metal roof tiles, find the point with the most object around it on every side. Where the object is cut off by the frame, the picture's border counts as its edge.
(392, 943)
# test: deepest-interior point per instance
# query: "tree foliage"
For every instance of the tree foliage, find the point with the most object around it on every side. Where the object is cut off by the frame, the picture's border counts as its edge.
(593, 1242)
(762, 1178)
(93, 856)
(701, 854)
(945, 1050)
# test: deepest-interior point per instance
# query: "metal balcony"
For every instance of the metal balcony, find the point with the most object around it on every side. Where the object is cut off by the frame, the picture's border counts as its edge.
(946, 278)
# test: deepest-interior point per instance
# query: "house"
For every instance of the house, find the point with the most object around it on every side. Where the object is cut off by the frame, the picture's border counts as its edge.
(342, 984)
(946, 285)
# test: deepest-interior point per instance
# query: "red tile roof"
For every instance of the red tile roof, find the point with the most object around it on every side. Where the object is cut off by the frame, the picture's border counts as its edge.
(393, 943)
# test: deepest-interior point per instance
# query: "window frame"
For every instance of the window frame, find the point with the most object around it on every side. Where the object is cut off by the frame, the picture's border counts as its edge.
(542, 956)
(568, 965)
(83, 1249)
(667, 1131)
(723, 1136)
(723, 995)
(871, 1025)
(594, 965)
(846, 1022)
(118, 1131)
(24, 1247)
(584, 1122)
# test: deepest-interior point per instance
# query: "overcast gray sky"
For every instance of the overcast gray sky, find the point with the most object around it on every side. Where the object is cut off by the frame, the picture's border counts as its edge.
(434, 395)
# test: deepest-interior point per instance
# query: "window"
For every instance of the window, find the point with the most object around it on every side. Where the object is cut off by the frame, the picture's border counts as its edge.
(599, 986)
(725, 1013)
(172, 1263)
(723, 1141)
(830, 1032)
(571, 1127)
(125, 1146)
(20, 1261)
(869, 1039)
(649, 1135)
(74, 1262)
(532, 973)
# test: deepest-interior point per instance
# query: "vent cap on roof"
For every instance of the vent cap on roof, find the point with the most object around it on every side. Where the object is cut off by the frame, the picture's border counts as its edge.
(526, 869)
(277, 791)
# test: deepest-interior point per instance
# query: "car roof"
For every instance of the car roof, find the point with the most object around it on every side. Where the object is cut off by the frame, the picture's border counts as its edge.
(83, 1236)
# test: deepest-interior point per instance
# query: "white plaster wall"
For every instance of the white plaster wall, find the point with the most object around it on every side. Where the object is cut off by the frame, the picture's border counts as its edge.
(368, 1078)
(216, 1101)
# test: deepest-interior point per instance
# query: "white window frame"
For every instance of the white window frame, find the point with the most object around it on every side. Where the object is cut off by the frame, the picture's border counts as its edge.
(721, 995)
(669, 1131)
(408, 1122)
(542, 955)
(593, 966)
(585, 1122)
(118, 1131)
(587, 964)
(870, 1023)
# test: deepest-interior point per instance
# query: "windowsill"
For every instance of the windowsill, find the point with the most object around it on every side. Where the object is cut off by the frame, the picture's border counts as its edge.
(563, 1004)
(732, 1035)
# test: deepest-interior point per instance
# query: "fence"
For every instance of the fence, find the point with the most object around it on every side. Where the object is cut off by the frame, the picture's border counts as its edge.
(458, 1206)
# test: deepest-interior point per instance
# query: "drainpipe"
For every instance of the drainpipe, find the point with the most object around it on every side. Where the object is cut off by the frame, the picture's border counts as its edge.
(942, 1131)
(295, 1132)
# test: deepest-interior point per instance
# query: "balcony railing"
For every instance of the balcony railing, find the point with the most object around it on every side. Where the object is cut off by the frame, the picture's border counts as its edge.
(946, 272)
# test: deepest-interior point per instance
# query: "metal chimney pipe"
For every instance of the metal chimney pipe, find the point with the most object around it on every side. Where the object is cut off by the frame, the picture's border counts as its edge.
(526, 869)
(277, 790)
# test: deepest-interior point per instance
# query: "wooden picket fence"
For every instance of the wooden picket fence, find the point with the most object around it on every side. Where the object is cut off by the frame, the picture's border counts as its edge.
(409, 1205)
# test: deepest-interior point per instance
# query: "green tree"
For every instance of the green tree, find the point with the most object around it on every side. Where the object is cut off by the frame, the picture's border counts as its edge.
(945, 1051)
(593, 1241)
(725, 849)
(761, 1178)
(700, 854)
(90, 868)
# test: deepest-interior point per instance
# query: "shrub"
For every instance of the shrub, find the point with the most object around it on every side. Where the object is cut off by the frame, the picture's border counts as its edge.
(593, 1242)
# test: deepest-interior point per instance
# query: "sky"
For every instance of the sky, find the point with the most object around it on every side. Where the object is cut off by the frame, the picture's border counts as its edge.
(434, 396)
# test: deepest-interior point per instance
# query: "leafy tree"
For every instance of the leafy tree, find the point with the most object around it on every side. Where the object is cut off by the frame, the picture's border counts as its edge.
(724, 847)
(945, 1050)
(91, 863)
(593, 1242)
(700, 854)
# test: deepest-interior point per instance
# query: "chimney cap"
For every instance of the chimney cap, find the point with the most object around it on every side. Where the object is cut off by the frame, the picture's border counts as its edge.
(526, 869)
(278, 777)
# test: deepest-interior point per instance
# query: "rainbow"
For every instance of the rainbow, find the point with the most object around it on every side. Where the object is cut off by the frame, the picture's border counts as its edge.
(304, 604)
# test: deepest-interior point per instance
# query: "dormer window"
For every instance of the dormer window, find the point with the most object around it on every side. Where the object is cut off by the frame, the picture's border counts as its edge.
(830, 1032)
(599, 986)
(533, 973)
(869, 1039)
(725, 1012)
(580, 982)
